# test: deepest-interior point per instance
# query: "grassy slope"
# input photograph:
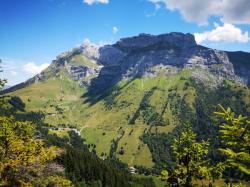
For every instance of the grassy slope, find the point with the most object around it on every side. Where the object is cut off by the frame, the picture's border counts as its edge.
(102, 122)
(82, 60)
(51, 96)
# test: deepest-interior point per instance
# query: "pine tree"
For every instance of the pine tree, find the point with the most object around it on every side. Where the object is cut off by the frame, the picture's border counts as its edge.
(235, 138)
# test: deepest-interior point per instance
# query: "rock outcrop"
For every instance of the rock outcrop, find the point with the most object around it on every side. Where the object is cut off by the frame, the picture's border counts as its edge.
(79, 72)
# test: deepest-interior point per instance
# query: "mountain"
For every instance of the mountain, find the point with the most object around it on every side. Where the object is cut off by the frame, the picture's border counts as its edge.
(135, 56)
(6, 87)
(128, 100)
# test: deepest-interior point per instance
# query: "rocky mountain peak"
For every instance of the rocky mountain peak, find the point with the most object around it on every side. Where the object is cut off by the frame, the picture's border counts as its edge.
(90, 50)
(145, 54)
(145, 40)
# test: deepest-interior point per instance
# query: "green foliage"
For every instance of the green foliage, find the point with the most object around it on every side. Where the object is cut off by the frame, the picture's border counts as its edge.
(160, 147)
(148, 112)
(164, 175)
(192, 160)
(83, 167)
(86, 167)
(235, 137)
(160, 144)
(216, 172)
(56, 180)
(114, 144)
(179, 106)
(22, 156)
(200, 114)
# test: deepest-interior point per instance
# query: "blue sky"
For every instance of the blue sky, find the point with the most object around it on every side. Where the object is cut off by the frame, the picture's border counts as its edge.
(34, 32)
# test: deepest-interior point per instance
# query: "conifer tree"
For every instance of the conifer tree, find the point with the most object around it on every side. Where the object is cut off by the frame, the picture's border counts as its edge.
(235, 138)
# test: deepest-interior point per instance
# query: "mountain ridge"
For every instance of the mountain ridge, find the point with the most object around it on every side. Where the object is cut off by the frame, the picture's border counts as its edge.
(116, 60)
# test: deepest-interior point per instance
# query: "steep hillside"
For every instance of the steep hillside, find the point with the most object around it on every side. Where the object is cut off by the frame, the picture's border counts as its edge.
(73, 162)
(129, 99)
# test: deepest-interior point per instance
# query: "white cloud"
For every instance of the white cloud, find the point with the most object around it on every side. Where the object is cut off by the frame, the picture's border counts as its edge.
(199, 11)
(17, 71)
(224, 33)
(34, 69)
(115, 30)
(86, 41)
(157, 6)
(90, 2)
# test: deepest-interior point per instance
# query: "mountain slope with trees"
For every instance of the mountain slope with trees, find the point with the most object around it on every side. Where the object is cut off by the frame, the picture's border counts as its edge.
(130, 100)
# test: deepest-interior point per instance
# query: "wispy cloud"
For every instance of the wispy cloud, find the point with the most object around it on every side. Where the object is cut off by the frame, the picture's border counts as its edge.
(91, 2)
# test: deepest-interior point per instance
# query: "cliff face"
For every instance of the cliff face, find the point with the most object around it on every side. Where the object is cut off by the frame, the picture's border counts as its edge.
(145, 54)
(241, 63)
(79, 63)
